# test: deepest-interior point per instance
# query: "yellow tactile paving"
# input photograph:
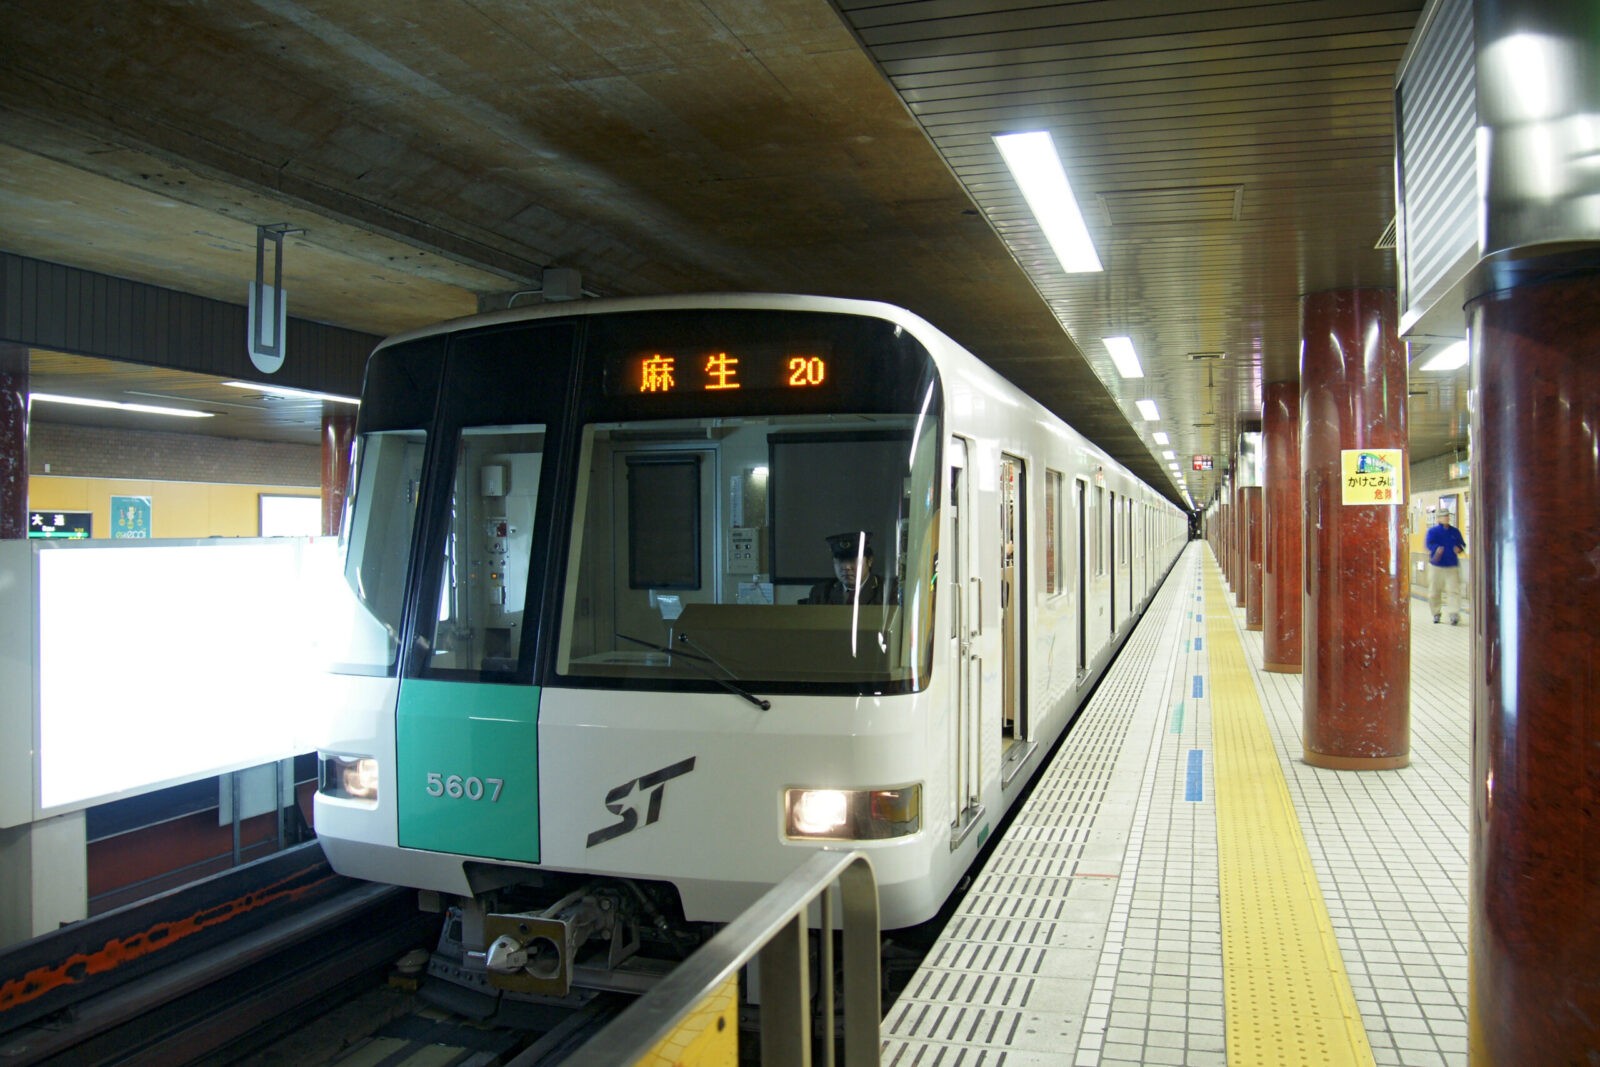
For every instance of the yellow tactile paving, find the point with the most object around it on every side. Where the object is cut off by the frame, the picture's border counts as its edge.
(1286, 995)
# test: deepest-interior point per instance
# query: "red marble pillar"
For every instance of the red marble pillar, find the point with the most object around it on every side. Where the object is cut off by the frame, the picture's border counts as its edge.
(1535, 893)
(1281, 554)
(1252, 557)
(1356, 613)
(338, 435)
(1241, 530)
(13, 441)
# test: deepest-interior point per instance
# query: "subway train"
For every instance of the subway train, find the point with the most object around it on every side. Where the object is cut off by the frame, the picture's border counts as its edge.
(647, 599)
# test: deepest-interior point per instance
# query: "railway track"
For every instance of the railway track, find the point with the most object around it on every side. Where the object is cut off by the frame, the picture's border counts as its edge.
(276, 962)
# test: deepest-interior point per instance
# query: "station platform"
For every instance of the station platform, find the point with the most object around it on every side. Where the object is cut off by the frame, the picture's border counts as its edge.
(1181, 889)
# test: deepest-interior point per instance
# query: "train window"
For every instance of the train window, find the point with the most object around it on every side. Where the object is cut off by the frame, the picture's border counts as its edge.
(1053, 582)
(686, 578)
(1100, 533)
(664, 521)
(484, 580)
(377, 542)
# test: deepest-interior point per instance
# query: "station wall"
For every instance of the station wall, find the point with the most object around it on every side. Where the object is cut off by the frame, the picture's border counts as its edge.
(198, 486)
(177, 509)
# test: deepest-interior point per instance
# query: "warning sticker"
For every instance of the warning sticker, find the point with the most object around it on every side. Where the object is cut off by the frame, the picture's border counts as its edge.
(1373, 475)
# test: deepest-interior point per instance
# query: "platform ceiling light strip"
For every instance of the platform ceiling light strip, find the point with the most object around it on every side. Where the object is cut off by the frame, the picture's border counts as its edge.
(1160, 437)
(1451, 357)
(1123, 355)
(1035, 164)
(293, 394)
(1147, 408)
(117, 405)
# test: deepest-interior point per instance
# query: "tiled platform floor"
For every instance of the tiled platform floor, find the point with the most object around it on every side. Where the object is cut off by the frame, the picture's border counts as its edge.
(1093, 935)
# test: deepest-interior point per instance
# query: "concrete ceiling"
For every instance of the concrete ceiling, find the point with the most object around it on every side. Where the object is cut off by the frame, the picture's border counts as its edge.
(1229, 156)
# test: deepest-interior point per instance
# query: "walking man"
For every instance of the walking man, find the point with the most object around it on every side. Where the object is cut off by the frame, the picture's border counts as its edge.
(1445, 545)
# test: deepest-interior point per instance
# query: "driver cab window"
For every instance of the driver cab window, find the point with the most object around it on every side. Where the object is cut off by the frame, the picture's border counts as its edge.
(481, 606)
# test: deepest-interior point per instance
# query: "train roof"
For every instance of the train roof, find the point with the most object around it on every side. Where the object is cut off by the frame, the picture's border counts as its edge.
(914, 323)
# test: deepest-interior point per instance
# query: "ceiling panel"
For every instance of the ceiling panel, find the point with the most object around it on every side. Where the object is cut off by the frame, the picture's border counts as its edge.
(1230, 156)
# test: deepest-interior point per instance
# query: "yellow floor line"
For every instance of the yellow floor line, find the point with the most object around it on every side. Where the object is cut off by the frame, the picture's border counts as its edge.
(1286, 994)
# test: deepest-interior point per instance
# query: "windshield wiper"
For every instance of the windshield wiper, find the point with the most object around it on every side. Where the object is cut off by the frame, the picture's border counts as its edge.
(690, 660)
(757, 701)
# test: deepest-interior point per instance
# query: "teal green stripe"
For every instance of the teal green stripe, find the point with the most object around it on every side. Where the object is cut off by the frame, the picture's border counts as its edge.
(1177, 718)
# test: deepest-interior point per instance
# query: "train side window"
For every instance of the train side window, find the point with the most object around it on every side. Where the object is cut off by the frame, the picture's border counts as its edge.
(484, 580)
(1054, 584)
(1100, 532)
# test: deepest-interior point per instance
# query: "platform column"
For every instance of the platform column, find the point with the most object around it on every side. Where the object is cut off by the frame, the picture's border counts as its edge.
(1252, 557)
(1241, 531)
(338, 434)
(13, 441)
(1535, 900)
(1356, 613)
(1281, 554)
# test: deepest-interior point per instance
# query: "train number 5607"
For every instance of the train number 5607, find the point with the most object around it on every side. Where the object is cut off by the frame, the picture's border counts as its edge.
(471, 787)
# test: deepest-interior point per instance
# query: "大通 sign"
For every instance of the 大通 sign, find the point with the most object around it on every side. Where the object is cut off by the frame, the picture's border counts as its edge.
(71, 525)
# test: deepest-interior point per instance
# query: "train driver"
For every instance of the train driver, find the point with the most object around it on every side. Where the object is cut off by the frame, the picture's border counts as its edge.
(853, 580)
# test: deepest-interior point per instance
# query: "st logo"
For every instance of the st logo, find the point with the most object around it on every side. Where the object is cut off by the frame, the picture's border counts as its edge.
(618, 801)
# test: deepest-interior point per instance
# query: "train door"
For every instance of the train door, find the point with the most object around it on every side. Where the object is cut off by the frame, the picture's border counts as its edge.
(1080, 507)
(1014, 730)
(966, 746)
(466, 720)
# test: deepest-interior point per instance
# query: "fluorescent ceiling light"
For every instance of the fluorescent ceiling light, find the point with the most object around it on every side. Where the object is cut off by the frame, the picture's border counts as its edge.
(1123, 355)
(117, 405)
(1450, 358)
(1169, 454)
(1036, 166)
(292, 393)
(1147, 408)
(1160, 437)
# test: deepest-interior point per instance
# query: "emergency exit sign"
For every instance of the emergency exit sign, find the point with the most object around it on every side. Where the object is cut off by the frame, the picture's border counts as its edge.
(1202, 463)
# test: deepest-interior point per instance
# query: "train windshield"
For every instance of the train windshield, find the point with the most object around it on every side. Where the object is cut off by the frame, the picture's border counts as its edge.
(793, 551)
(377, 535)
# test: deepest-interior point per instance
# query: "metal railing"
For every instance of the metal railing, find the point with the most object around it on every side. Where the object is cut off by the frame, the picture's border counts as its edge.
(773, 931)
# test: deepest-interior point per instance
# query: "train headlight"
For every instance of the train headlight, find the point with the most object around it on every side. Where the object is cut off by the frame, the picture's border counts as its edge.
(348, 777)
(852, 814)
(817, 812)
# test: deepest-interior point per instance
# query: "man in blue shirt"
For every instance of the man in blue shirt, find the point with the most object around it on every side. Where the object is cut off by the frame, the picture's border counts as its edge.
(1444, 544)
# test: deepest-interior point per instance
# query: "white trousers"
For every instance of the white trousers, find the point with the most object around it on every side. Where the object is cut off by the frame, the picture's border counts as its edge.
(1440, 581)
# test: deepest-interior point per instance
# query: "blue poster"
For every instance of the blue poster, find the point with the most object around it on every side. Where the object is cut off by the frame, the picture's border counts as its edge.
(130, 516)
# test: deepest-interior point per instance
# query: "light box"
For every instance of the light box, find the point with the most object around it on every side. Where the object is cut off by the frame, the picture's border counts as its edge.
(155, 662)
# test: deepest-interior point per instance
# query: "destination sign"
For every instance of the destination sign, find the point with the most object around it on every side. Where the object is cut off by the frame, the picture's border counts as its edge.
(756, 367)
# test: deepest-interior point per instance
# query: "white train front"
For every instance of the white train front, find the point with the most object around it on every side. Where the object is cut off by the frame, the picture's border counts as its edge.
(583, 680)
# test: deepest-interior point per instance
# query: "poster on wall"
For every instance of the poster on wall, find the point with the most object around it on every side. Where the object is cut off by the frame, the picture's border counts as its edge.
(130, 516)
(1372, 475)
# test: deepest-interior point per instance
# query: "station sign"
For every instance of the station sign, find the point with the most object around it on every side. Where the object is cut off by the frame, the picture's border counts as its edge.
(68, 525)
(1372, 475)
(1202, 463)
